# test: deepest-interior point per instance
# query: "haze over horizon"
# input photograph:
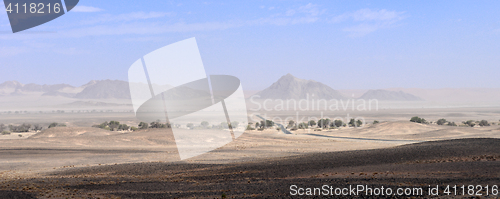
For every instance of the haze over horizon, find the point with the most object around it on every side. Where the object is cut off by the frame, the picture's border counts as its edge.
(343, 44)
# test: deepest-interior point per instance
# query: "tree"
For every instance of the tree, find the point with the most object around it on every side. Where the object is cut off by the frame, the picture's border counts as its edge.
(123, 127)
(375, 122)
(37, 127)
(470, 123)
(352, 122)
(113, 125)
(291, 124)
(190, 125)
(2, 127)
(269, 123)
(157, 124)
(143, 125)
(483, 123)
(312, 123)
(324, 123)
(338, 123)
(451, 124)
(234, 124)
(204, 124)
(53, 124)
(441, 122)
(418, 120)
(359, 123)
(303, 125)
(257, 125)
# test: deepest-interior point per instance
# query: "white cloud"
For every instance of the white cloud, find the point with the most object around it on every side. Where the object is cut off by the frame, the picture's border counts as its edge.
(86, 9)
(367, 20)
(304, 14)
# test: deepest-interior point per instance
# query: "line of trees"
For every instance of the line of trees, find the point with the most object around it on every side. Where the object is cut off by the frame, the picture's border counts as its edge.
(23, 128)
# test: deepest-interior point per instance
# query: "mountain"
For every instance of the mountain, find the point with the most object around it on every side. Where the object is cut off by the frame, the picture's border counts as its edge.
(385, 95)
(290, 87)
(105, 89)
(16, 88)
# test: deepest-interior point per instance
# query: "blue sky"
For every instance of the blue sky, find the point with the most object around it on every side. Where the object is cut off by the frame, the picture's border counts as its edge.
(344, 44)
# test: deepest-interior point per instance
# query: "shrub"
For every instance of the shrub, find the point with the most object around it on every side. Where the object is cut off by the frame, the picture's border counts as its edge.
(441, 121)
(375, 122)
(133, 128)
(418, 120)
(451, 124)
(5, 133)
(483, 123)
(189, 125)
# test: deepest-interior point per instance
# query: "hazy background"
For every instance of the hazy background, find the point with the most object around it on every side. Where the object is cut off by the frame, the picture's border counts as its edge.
(343, 44)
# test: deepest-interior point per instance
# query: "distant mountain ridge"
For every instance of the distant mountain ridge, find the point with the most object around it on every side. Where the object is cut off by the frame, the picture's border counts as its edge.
(290, 87)
(95, 89)
(385, 95)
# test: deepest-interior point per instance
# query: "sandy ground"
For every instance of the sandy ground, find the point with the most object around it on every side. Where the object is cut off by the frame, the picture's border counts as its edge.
(76, 161)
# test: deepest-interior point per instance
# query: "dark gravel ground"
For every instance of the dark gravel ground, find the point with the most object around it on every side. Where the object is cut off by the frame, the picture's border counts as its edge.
(451, 162)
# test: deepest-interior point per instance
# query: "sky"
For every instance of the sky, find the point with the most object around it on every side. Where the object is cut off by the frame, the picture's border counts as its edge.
(343, 44)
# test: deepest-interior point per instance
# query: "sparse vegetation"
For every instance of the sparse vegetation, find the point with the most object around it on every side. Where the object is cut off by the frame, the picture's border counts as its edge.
(375, 122)
(451, 124)
(20, 129)
(5, 133)
(418, 120)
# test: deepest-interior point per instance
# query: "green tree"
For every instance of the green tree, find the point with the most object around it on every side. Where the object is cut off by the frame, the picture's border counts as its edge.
(204, 124)
(291, 124)
(312, 123)
(375, 122)
(418, 120)
(352, 122)
(484, 123)
(338, 123)
(53, 124)
(470, 123)
(113, 125)
(359, 123)
(441, 122)
(143, 125)
(324, 123)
